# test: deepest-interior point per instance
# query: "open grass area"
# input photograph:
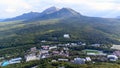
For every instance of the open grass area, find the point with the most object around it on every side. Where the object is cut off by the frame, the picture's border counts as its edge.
(91, 51)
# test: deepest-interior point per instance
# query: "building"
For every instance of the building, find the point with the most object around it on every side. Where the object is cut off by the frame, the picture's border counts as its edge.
(45, 47)
(117, 53)
(117, 47)
(33, 49)
(12, 61)
(31, 57)
(66, 60)
(96, 45)
(52, 47)
(66, 36)
(79, 60)
(15, 60)
(54, 61)
(112, 57)
(88, 59)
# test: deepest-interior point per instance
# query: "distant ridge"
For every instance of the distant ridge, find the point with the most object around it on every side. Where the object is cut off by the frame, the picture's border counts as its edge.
(52, 12)
(24, 16)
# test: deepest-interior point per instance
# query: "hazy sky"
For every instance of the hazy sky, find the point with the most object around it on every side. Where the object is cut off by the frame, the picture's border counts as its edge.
(101, 8)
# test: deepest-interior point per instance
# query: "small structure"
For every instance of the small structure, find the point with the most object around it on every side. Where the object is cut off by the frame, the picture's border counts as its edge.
(45, 47)
(83, 44)
(66, 60)
(31, 57)
(43, 41)
(54, 61)
(79, 60)
(66, 36)
(61, 67)
(96, 45)
(52, 47)
(117, 53)
(33, 49)
(15, 60)
(112, 57)
(12, 61)
(116, 47)
(88, 59)
(43, 56)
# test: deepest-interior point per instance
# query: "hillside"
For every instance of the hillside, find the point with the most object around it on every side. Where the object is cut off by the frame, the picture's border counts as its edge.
(48, 26)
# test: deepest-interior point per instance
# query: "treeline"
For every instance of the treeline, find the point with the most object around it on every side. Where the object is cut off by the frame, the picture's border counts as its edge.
(46, 63)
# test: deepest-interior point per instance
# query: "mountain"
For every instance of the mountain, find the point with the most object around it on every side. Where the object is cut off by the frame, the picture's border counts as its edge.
(49, 13)
(61, 13)
(50, 10)
(1, 20)
(48, 26)
(24, 16)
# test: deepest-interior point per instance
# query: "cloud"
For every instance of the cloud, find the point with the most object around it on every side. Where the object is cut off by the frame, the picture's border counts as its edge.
(10, 10)
(100, 5)
(87, 7)
(15, 4)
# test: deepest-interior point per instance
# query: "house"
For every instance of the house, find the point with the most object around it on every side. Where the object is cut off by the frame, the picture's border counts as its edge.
(88, 59)
(66, 36)
(66, 60)
(33, 49)
(79, 60)
(117, 53)
(31, 57)
(43, 41)
(44, 51)
(43, 56)
(117, 47)
(45, 47)
(55, 52)
(52, 47)
(112, 57)
(96, 45)
(54, 61)
(83, 44)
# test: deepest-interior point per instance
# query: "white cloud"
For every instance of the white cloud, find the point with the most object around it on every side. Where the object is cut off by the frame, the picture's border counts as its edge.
(10, 10)
(84, 6)
(15, 4)
(100, 5)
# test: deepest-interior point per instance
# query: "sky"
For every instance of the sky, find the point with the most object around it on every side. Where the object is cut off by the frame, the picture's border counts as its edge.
(93, 8)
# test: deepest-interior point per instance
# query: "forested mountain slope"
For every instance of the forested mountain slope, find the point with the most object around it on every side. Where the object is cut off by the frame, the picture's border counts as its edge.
(55, 24)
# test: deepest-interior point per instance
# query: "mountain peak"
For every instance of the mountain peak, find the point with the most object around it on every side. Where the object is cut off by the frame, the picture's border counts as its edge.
(69, 11)
(51, 10)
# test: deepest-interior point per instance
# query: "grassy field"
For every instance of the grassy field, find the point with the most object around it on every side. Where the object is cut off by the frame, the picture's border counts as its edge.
(91, 51)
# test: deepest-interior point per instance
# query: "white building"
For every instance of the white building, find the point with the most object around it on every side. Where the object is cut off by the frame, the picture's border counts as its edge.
(15, 60)
(112, 57)
(52, 47)
(88, 59)
(31, 57)
(96, 45)
(66, 36)
(66, 60)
